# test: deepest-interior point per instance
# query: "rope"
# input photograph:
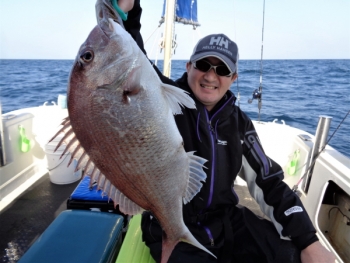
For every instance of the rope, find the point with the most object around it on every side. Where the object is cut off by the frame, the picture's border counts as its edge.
(344, 216)
(338, 126)
(152, 34)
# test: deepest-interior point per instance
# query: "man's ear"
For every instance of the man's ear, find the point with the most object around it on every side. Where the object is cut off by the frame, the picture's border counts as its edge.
(234, 77)
(188, 66)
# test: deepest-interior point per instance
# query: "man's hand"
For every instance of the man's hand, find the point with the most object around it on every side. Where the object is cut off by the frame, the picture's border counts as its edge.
(126, 5)
(316, 253)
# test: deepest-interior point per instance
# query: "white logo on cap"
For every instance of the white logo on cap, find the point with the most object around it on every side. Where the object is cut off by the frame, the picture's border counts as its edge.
(220, 41)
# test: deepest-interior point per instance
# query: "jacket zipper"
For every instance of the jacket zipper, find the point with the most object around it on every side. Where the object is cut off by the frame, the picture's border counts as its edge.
(212, 139)
(211, 239)
(212, 132)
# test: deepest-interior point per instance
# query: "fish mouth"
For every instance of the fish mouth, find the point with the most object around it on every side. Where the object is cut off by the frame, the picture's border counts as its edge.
(106, 11)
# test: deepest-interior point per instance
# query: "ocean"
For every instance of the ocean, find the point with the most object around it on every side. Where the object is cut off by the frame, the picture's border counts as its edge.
(296, 91)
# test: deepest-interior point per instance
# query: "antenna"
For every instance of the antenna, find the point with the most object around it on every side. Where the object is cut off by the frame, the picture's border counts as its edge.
(257, 93)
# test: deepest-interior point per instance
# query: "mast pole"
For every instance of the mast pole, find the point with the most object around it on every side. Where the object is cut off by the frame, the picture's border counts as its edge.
(168, 35)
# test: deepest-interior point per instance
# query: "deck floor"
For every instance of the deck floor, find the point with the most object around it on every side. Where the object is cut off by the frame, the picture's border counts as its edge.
(30, 214)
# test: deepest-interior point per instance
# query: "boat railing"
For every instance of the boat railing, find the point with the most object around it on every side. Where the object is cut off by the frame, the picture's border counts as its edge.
(321, 136)
(2, 143)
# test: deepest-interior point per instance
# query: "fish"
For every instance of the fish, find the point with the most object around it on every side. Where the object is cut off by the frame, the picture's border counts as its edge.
(120, 127)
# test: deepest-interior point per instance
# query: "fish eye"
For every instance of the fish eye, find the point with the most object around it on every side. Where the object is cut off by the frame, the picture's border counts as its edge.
(87, 56)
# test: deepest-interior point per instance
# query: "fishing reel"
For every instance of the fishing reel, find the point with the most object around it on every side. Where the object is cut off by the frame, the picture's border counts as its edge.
(255, 96)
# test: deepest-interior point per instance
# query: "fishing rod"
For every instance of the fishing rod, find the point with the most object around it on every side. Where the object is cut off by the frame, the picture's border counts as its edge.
(238, 91)
(257, 93)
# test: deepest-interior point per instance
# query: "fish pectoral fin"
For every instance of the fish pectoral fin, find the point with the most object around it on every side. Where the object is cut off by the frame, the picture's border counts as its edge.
(176, 97)
(196, 175)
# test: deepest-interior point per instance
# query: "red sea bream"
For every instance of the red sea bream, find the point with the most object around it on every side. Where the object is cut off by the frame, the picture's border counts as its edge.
(122, 130)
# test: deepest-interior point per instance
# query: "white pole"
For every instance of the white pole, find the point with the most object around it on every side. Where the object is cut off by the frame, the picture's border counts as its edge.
(168, 35)
(2, 141)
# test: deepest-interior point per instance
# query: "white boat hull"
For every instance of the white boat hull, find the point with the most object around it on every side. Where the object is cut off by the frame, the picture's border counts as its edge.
(22, 169)
(331, 177)
(280, 141)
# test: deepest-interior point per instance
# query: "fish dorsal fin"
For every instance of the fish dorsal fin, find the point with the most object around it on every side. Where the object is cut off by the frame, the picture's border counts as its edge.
(126, 206)
(195, 177)
(176, 97)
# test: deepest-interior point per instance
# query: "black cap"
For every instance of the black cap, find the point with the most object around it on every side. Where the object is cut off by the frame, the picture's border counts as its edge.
(219, 46)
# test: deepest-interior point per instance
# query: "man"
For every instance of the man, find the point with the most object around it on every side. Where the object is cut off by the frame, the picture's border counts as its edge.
(221, 133)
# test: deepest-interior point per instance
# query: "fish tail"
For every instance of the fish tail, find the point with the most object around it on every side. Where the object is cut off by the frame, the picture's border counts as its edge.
(190, 239)
(169, 245)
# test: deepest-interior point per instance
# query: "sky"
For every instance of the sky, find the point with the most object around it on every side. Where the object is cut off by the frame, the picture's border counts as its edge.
(298, 29)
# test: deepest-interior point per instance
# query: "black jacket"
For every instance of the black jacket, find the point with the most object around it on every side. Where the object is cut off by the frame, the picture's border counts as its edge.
(226, 137)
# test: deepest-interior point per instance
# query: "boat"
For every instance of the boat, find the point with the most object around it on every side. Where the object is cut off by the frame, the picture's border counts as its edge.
(318, 173)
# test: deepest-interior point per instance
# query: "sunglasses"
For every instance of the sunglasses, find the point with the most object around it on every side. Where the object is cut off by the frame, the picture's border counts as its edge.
(205, 66)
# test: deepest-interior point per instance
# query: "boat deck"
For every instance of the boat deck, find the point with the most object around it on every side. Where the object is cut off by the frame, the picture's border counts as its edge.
(28, 217)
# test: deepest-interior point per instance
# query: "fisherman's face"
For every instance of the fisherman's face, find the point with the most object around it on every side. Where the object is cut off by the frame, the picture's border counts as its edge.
(208, 87)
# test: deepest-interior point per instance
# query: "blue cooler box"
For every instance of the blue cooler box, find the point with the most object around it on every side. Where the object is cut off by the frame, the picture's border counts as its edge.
(78, 236)
(85, 197)
(89, 198)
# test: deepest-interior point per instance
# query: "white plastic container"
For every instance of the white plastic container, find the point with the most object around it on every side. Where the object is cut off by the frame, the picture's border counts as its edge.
(62, 101)
(58, 171)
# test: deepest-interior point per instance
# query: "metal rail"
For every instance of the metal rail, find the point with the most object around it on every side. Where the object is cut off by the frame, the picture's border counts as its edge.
(2, 141)
(321, 135)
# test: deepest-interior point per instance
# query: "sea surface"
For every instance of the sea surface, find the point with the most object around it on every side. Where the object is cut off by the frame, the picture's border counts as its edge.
(296, 91)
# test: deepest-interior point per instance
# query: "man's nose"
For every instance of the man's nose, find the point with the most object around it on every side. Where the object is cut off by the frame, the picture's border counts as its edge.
(211, 74)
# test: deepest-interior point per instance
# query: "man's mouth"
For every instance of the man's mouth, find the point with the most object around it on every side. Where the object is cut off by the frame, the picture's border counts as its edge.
(208, 87)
